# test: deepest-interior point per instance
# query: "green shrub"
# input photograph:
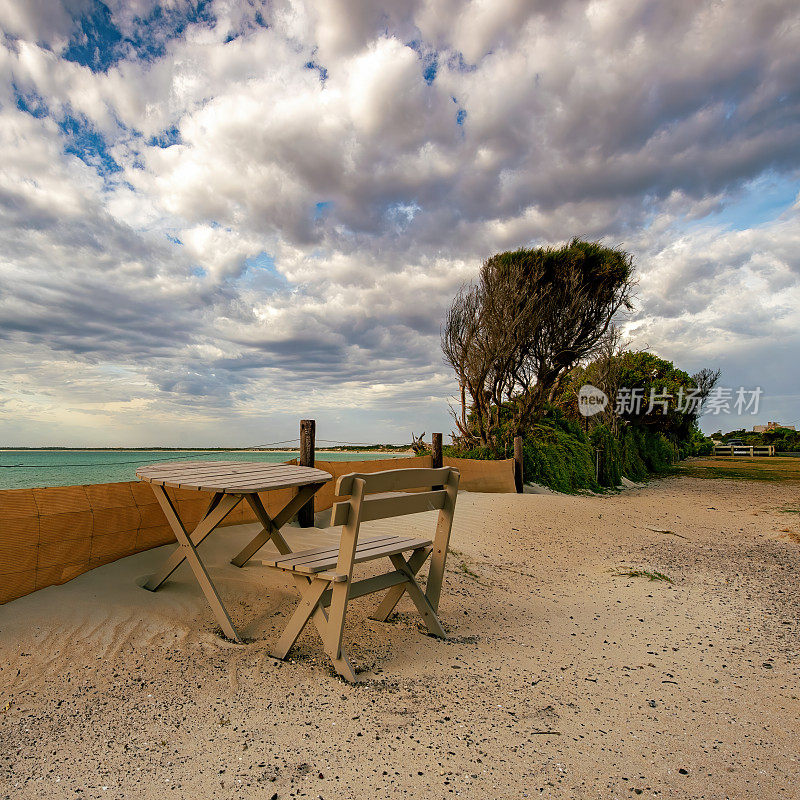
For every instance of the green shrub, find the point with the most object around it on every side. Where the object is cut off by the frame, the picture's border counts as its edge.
(558, 454)
(657, 452)
(559, 460)
(610, 460)
(699, 446)
(632, 465)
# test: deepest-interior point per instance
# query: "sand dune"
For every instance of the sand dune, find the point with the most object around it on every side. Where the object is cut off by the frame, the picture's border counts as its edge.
(561, 678)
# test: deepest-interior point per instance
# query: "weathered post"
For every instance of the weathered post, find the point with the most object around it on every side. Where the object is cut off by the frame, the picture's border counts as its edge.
(436, 453)
(308, 431)
(436, 450)
(518, 476)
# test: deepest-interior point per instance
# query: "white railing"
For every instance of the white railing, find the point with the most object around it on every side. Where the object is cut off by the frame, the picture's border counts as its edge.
(744, 450)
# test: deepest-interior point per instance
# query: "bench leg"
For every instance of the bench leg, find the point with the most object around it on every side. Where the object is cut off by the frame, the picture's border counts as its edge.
(302, 614)
(418, 596)
(343, 666)
(392, 598)
(335, 628)
(314, 591)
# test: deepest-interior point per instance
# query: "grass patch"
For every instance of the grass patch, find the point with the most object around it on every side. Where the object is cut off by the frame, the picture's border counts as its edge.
(772, 469)
(467, 571)
(643, 573)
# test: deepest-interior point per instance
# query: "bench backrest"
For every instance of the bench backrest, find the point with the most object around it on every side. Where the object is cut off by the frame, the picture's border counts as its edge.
(393, 480)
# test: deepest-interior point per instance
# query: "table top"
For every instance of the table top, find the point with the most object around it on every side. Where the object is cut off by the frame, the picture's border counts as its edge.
(230, 477)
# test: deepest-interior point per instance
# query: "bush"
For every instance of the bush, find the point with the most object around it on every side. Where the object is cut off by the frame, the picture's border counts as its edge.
(559, 459)
(699, 446)
(610, 473)
(657, 452)
(558, 454)
(632, 465)
(635, 454)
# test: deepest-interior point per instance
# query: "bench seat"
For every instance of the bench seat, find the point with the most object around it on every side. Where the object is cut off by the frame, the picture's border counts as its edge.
(324, 559)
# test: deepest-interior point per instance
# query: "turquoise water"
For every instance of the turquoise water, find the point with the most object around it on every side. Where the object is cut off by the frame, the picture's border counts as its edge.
(21, 469)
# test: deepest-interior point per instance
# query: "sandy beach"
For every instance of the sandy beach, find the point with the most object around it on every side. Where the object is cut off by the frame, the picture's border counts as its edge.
(562, 678)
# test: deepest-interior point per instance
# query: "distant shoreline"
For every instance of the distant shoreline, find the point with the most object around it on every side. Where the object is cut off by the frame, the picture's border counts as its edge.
(367, 449)
(41, 467)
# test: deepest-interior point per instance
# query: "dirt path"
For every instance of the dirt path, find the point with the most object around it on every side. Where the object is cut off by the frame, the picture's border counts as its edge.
(562, 679)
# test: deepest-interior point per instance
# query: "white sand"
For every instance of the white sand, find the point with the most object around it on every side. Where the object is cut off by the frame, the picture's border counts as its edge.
(561, 679)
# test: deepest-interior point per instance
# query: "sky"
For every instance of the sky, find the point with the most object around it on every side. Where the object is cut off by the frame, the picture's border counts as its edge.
(218, 218)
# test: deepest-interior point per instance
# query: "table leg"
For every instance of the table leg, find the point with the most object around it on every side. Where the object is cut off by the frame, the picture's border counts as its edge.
(188, 552)
(217, 512)
(272, 526)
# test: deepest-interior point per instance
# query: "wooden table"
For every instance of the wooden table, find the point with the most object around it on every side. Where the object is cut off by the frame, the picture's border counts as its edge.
(231, 482)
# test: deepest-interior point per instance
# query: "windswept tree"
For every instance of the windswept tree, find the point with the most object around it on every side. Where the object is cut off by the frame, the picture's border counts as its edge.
(705, 380)
(603, 372)
(533, 314)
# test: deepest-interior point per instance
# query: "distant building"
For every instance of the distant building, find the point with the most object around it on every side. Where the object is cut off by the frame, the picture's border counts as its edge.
(771, 426)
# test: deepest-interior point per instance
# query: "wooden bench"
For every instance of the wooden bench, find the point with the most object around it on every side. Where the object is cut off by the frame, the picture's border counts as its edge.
(324, 575)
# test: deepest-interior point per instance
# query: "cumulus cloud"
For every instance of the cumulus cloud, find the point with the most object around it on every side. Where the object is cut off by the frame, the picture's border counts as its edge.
(219, 211)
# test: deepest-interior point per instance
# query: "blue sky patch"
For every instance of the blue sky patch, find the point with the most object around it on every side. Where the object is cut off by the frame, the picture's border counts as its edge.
(456, 63)
(760, 201)
(323, 73)
(98, 43)
(166, 138)
(262, 261)
(31, 103)
(262, 275)
(429, 59)
(83, 141)
(430, 65)
(402, 213)
(322, 209)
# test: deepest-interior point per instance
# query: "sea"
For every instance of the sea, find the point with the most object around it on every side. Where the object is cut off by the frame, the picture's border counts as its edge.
(22, 469)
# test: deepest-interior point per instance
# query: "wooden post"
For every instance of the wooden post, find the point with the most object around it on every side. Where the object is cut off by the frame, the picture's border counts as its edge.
(308, 431)
(518, 476)
(436, 454)
(436, 450)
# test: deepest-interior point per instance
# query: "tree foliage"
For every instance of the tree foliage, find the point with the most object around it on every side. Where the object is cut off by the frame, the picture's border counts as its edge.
(660, 396)
(533, 314)
(661, 384)
(785, 440)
